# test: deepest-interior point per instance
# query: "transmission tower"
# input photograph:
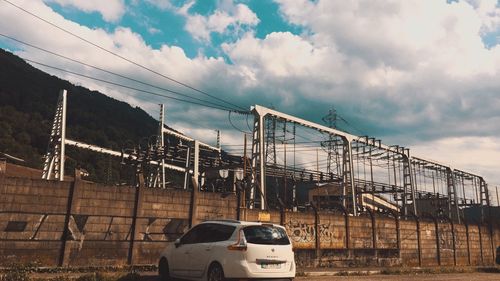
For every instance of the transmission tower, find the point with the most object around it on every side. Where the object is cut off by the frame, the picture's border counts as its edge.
(330, 146)
(271, 140)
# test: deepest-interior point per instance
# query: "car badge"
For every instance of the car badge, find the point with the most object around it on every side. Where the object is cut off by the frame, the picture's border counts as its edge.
(272, 250)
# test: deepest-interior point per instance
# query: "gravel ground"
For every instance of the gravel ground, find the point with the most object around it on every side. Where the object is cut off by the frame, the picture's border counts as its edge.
(404, 277)
(476, 276)
(420, 277)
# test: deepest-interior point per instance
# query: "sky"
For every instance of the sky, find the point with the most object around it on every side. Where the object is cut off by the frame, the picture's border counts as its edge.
(424, 74)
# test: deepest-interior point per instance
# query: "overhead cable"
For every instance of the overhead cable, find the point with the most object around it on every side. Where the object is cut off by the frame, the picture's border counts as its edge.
(112, 73)
(123, 86)
(122, 57)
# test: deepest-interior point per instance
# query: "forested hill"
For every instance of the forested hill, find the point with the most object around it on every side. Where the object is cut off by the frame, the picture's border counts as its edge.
(28, 99)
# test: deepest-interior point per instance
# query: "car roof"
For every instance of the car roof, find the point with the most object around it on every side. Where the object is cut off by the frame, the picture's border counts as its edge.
(239, 223)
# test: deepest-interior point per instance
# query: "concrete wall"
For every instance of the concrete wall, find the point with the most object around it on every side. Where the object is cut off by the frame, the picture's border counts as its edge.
(81, 223)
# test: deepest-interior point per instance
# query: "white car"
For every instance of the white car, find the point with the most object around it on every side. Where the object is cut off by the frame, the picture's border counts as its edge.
(226, 249)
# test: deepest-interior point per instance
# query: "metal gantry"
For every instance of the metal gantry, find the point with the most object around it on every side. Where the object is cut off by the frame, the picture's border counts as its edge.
(407, 183)
(157, 156)
(358, 172)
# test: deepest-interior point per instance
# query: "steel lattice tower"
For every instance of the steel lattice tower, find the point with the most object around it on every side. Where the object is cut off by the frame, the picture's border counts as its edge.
(331, 121)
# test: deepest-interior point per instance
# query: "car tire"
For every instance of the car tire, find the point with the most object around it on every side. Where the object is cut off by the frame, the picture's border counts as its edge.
(163, 270)
(215, 273)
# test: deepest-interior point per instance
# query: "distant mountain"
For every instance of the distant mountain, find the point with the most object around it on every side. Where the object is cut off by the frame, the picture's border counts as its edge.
(28, 98)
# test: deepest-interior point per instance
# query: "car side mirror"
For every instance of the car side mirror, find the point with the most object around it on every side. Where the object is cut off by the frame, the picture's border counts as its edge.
(177, 242)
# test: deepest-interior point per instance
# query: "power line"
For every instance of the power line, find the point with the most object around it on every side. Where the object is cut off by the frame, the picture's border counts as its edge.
(122, 57)
(234, 126)
(123, 86)
(111, 72)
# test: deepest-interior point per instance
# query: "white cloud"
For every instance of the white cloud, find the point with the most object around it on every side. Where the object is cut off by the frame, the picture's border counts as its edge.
(111, 10)
(477, 155)
(153, 30)
(489, 11)
(415, 72)
(162, 4)
(170, 60)
(227, 16)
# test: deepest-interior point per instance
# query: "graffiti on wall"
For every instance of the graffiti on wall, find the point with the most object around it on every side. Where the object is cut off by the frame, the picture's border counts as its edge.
(302, 232)
(446, 239)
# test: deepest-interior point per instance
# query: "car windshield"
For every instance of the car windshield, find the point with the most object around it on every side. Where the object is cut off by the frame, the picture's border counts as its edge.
(266, 235)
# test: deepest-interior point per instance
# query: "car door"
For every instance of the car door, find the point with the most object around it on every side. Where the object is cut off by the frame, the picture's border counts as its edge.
(180, 256)
(202, 253)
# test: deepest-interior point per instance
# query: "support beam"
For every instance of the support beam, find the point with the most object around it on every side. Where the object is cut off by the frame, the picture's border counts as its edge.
(196, 164)
(162, 144)
(63, 136)
(102, 150)
(262, 174)
(186, 138)
(53, 167)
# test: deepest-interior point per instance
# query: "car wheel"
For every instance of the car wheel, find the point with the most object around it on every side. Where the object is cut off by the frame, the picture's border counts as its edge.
(163, 270)
(215, 273)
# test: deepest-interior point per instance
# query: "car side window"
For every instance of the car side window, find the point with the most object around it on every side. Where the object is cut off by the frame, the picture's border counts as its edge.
(218, 232)
(195, 235)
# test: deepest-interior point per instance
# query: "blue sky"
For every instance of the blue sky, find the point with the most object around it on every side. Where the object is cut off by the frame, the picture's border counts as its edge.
(420, 73)
(159, 26)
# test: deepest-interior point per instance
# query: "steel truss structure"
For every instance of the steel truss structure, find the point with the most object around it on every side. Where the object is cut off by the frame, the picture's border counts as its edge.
(191, 153)
(368, 173)
(411, 180)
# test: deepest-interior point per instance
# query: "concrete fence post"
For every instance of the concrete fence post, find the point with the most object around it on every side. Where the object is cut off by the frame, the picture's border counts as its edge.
(480, 242)
(63, 253)
(193, 206)
(317, 242)
(419, 241)
(346, 224)
(453, 243)
(282, 213)
(347, 231)
(467, 238)
(438, 246)
(139, 191)
(374, 229)
(492, 238)
(398, 234)
(374, 233)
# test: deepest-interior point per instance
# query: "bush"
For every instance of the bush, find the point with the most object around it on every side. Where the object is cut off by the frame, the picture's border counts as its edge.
(95, 277)
(60, 278)
(17, 273)
(130, 277)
